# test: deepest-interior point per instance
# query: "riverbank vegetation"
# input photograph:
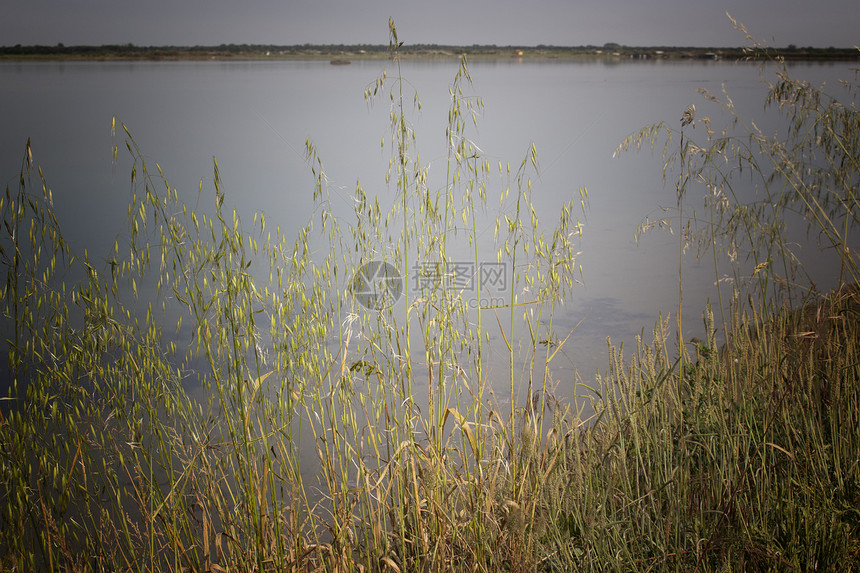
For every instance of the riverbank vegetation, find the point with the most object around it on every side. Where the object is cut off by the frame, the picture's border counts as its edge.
(611, 51)
(211, 395)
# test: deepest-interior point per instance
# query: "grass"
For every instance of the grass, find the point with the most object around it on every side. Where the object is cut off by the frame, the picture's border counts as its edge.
(313, 447)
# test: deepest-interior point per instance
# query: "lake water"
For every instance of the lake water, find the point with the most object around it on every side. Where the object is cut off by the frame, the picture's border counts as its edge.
(254, 117)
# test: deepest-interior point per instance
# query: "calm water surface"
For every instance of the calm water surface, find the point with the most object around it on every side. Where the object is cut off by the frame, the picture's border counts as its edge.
(254, 117)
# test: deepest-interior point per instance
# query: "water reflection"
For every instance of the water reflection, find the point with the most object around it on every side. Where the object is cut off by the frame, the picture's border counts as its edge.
(255, 116)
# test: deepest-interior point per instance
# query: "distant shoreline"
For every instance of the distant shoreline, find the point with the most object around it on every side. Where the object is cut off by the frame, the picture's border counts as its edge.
(344, 53)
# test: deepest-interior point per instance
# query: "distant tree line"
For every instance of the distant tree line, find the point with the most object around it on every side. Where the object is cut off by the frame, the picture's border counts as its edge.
(131, 51)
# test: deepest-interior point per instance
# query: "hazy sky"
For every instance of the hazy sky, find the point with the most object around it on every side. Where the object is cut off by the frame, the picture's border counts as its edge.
(819, 23)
